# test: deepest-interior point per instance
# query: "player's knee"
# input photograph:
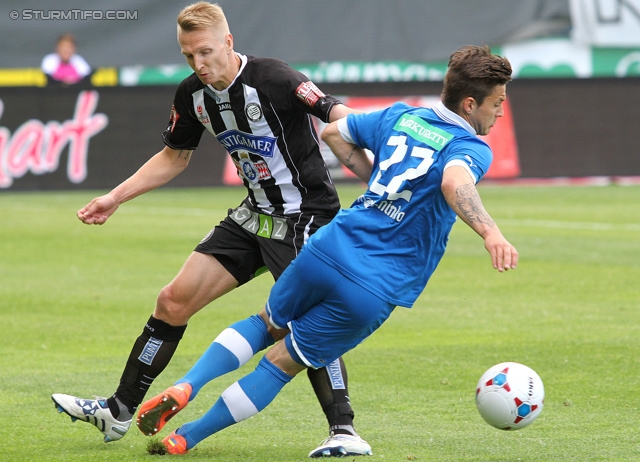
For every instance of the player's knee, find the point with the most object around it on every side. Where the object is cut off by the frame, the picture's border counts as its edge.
(276, 333)
(170, 308)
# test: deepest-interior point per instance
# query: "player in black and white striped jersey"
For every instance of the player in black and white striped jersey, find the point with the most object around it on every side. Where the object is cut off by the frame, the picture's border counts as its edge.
(260, 110)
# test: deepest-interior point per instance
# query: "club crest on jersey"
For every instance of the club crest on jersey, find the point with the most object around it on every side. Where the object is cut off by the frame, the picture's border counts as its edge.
(309, 93)
(253, 112)
(252, 171)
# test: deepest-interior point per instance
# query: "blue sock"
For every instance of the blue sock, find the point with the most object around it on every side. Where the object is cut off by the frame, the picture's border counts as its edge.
(245, 398)
(231, 349)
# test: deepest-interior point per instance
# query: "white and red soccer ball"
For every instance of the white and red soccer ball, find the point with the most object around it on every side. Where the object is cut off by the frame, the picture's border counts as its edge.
(510, 396)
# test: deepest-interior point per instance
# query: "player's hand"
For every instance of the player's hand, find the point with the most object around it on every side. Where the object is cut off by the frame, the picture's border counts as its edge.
(98, 210)
(504, 256)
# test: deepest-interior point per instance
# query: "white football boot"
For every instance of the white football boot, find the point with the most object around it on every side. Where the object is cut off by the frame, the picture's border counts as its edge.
(342, 446)
(94, 411)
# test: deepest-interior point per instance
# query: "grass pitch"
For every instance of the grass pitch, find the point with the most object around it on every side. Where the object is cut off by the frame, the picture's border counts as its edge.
(73, 298)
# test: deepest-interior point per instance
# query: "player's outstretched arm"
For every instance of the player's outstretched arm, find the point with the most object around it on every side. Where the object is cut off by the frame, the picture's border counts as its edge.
(352, 156)
(158, 170)
(340, 110)
(463, 197)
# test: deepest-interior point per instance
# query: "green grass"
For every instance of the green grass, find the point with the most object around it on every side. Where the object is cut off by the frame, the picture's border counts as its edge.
(74, 297)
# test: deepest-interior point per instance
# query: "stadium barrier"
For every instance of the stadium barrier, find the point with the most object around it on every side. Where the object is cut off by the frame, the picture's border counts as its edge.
(93, 137)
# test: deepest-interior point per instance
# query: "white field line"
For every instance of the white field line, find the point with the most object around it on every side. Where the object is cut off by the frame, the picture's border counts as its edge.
(507, 222)
(219, 213)
(570, 225)
(128, 210)
(180, 211)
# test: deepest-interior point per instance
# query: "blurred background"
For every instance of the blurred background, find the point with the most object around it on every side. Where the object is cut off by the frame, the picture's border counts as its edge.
(573, 108)
(302, 31)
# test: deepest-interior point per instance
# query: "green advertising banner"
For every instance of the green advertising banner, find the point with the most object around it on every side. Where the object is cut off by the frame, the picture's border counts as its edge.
(546, 58)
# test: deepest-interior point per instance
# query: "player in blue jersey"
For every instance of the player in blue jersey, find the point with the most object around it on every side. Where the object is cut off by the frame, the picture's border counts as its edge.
(379, 253)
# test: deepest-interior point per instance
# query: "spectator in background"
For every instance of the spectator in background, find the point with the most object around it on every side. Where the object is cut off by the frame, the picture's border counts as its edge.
(65, 65)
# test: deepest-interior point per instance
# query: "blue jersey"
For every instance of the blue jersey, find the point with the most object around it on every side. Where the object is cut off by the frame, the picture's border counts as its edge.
(392, 238)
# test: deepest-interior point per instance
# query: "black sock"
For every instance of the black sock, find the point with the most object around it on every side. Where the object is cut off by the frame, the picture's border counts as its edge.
(149, 356)
(330, 386)
(119, 410)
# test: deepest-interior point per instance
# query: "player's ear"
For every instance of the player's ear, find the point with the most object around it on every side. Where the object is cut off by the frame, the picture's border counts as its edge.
(468, 105)
(229, 42)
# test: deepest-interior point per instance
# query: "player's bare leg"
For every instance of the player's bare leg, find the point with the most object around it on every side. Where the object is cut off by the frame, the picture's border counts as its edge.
(201, 280)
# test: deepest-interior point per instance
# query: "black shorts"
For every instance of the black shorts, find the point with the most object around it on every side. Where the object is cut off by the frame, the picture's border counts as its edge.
(248, 243)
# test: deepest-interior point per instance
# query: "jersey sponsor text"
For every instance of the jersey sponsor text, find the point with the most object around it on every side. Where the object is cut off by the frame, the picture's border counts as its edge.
(422, 131)
(262, 225)
(234, 140)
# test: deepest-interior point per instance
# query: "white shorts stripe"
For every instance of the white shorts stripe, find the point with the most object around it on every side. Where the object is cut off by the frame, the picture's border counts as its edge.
(238, 403)
(268, 309)
(233, 341)
(295, 347)
(307, 228)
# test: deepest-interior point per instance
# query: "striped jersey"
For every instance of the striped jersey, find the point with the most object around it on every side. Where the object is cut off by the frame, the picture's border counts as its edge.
(263, 120)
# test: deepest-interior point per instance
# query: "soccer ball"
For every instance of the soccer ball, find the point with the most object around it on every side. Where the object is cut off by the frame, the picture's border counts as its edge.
(510, 396)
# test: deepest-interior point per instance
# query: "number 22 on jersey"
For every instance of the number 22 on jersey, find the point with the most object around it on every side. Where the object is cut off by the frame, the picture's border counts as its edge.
(390, 180)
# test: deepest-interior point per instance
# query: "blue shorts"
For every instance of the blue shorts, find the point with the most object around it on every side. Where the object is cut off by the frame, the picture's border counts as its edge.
(327, 313)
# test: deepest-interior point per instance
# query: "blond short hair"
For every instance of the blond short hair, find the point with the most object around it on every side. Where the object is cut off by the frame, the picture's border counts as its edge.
(202, 15)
